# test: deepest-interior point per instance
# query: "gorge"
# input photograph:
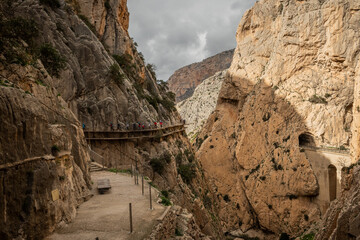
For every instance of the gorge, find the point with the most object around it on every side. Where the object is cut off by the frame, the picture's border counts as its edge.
(272, 149)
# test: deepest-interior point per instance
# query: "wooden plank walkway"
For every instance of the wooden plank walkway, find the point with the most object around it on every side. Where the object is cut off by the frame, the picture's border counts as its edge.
(133, 134)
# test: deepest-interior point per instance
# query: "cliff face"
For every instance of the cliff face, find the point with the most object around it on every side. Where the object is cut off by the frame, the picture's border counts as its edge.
(184, 81)
(196, 109)
(293, 75)
(57, 74)
(342, 219)
(38, 190)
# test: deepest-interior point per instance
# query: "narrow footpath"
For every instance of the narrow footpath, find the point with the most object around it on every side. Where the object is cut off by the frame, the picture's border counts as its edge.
(106, 216)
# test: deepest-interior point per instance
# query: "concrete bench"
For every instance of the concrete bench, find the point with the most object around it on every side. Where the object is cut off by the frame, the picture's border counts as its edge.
(103, 185)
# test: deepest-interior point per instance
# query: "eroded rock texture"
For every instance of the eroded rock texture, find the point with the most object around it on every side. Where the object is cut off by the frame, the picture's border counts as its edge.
(342, 220)
(34, 120)
(196, 109)
(184, 81)
(55, 74)
(293, 72)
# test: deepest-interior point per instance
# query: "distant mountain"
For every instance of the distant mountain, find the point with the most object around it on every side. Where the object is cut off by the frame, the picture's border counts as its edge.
(184, 81)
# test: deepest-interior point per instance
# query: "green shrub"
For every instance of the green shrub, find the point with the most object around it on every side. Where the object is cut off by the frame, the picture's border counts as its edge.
(179, 158)
(317, 99)
(107, 5)
(342, 147)
(199, 142)
(165, 201)
(115, 74)
(19, 28)
(187, 172)
(115, 170)
(178, 232)
(189, 155)
(284, 236)
(168, 104)
(139, 90)
(166, 157)
(51, 3)
(165, 193)
(52, 60)
(152, 69)
(207, 202)
(310, 236)
(88, 23)
(125, 62)
(153, 102)
(12, 33)
(158, 165)
(55, 148)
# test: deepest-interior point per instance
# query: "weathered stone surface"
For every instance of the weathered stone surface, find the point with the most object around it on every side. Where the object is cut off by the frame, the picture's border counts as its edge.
(342, 219)
(184, 81)
(196, 109)
(177, 224)
(33, 121)
(84, 92)
(293, 72)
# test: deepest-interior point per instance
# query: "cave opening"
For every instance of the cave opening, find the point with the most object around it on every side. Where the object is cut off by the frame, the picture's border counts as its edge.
(306, 139)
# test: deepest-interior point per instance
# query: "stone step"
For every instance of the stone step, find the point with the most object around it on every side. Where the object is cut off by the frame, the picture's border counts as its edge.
(95, 167)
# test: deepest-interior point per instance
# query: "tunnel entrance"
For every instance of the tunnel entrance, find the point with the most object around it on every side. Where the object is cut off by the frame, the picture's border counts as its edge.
(332, 182)
(306, 139)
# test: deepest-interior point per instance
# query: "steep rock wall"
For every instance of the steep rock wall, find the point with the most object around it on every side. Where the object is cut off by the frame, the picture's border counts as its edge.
(196, 109)
(184, 81)
(37, 190)
(293, 72)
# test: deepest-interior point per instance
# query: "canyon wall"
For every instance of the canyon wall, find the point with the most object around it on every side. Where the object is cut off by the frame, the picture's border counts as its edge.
(184, 81)
(63, 66)
(38, 190)
(291, 83)
(196, 109)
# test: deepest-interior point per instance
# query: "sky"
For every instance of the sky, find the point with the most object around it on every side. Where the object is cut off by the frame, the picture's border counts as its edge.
(172, 33)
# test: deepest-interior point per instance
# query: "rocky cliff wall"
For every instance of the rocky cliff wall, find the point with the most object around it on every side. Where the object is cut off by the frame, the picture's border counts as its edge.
(56, 75)
(342, 219)
(184, 81)
(293, 73)
(37, 190)
(196, 109)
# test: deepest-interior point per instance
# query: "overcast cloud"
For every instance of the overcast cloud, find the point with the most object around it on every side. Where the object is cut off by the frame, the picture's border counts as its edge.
(173, 33)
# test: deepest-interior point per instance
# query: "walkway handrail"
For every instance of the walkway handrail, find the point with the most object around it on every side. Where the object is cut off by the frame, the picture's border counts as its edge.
(326, 149)
(137, 134)
(33, 159)
(136, 130)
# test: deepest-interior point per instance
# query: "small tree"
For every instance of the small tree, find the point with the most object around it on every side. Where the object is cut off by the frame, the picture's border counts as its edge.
(152, 69)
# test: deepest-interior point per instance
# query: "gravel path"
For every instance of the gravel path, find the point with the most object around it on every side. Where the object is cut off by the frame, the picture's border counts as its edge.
(106, 216)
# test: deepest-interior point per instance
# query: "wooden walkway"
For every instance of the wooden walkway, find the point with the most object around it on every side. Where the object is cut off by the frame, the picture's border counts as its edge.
(133, 134)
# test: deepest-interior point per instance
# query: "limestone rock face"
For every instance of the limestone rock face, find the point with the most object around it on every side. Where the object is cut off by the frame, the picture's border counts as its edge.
(293, 72)
(111, 21)
(342, 219)
(184, 81)
(196, 109)
(38, 190)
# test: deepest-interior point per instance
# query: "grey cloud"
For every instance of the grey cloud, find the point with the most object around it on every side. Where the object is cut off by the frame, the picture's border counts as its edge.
(167, 30)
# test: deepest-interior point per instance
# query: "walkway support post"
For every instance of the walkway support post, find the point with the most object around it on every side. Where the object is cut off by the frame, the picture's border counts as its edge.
(150, 196)
(131, 168)
(142, 185)
(130, 212)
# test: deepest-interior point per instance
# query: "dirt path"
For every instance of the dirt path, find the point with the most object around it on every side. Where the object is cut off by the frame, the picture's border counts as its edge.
(106, 216)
